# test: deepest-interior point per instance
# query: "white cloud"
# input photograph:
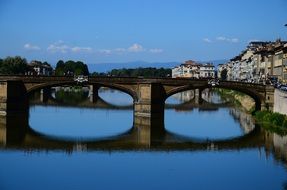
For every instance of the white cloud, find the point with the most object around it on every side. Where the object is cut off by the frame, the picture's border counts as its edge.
(105, 51)
(58, 48)
(234, 40)
(61, 47)
(136, 48)
(207, 40)
(31, 47)
(225, 39)
(81, 49)
(221, 38)
(155, 50)
(120, 50)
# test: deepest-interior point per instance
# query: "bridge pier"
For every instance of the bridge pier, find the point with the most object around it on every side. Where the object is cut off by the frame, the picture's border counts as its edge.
(198, 96)
(13, 129)
(94, 93)
(13, 98)
(149, 107)
(45, 93)
(146, 136)
(13, 111)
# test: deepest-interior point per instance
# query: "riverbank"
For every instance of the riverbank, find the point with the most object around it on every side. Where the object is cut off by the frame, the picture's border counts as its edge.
(270, 120)
(238, 98)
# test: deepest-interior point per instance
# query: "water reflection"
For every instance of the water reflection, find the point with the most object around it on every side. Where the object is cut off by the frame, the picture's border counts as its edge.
(79, 124)
(80, 98)
(209, 126)
(115, 97)
(164, 158)
(208, 95)
(152, 138)
(206, 100)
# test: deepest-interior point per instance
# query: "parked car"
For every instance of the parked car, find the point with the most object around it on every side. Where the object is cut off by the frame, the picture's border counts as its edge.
(283, 87)
(81, 78)
(213, 82)
(277, 85)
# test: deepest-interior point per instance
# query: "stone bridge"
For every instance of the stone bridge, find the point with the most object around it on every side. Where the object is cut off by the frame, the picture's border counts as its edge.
(149, 94)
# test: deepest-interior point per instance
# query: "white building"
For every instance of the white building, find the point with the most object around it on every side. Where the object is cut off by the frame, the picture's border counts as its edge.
(192, 69)
(207, 71)
(39, 68)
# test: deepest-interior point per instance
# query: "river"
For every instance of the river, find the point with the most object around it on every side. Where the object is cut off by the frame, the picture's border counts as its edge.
(210, 145)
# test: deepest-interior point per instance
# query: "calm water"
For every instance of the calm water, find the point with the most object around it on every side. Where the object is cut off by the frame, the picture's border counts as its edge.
(95, 148)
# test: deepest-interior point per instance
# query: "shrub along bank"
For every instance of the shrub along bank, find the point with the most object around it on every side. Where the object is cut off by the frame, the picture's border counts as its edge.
(275, 122)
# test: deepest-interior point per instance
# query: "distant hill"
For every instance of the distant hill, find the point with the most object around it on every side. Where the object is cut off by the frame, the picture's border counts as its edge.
(104, 67)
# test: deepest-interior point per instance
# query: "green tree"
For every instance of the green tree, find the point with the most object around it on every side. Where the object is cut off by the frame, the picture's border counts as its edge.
(14, 65)
(145, 72)
(71, 68)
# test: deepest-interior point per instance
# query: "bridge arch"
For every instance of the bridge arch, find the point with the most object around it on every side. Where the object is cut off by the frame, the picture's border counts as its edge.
(121, 88)
(258, 98)
(31, 88)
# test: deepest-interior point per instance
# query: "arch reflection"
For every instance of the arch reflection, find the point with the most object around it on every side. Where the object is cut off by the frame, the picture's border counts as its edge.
(18, 135)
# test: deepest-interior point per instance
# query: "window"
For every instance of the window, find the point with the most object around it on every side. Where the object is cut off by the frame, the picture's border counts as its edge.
(279, 56)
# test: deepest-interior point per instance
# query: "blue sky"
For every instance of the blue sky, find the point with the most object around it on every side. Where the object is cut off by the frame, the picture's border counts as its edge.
(103, 31)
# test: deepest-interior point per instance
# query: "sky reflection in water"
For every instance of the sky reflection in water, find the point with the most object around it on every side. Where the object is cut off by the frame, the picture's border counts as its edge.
(245, 169)
(254, 168)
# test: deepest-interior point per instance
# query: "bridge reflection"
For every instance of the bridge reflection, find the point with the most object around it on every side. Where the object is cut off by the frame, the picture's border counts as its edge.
(15, 133)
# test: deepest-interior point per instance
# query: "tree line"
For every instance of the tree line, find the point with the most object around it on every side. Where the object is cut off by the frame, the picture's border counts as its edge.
(13, 65)
(19, 66)
(144, 72)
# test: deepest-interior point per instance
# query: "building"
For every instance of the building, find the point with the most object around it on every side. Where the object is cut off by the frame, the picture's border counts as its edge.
(206, 71)
(284, 74)
(189, 69)
(259, 62)
(192, 69)
(39, 68)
